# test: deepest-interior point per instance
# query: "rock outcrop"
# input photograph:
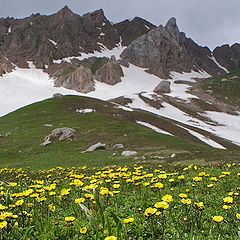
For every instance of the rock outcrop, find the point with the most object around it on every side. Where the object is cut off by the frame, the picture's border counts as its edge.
(163, 87)
(80, 80)
(165, 49)
(58, 134)
(129, 30)
(161, 50)
(110, 73)
(228, 57)
(5, 65)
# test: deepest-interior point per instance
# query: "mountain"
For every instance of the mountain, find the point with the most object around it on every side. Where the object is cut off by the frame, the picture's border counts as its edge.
(133, 64)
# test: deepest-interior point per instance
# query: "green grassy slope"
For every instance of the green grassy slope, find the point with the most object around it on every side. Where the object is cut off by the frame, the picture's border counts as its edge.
(224, 87)
(22, 148)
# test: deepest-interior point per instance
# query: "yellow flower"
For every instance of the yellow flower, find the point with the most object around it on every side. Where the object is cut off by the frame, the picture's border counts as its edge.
(171, 180)
(51, 207)
(186, 201)
(158, 185)
(238, 216)
(197, 179)
(228, 200)
(83, 230)
(79, 200)
(217, 219)
(161, 205)
(128, 220)
(116, 186)
(30, 205)
(199, 205)
(226, 207)
(52, 193)
(65, 191)
(213, 179)
(110, 238)
(183, 195)
(210, 185)
(150, 211)
(167, 198)
(19, 202)
(181, 177)
(69, 219)
(3, 224)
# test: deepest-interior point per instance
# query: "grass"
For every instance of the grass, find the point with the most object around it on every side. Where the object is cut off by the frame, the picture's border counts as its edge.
(134, 202)
(96, 65)
(23, 149)
(226, 91)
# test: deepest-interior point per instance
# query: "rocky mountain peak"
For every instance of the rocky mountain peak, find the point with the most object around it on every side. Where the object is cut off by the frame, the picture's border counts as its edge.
(65, 10)
(172, 27)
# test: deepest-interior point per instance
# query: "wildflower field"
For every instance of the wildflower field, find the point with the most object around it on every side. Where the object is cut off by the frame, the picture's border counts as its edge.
(131, 202)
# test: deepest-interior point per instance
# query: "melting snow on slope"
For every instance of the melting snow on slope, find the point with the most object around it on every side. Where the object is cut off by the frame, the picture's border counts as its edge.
(156, 129)
(218, 64)
(204, 139)
(26, 86)
(104, 53)
(230, 131)
(179, 90)
(135, 80)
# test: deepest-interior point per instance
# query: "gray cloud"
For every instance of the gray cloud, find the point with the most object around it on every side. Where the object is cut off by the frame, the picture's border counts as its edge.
(207, 22)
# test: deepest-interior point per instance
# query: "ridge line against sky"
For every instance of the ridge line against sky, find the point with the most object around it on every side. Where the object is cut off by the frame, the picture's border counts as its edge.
(208, 22)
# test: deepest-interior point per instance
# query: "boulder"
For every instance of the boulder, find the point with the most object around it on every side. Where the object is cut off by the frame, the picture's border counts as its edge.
(7, 134)
(57, 95)
(163, 87)
(58, 134)
(118, 146)
(110, 73)
(95, 147)
(80, 80)
(129, 153)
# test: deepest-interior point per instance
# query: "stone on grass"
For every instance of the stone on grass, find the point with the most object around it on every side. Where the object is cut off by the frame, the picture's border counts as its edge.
(95, 147)
(118, 146)
(129, 153)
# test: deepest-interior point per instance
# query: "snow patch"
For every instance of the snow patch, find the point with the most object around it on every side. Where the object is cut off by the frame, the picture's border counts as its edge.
(9, 30)
(22, 87)
(147, 27)
(105, 52)
(204, 139)
(118, 106)
(156, 129)
(87, 110)
(51, 41)
(218, 64)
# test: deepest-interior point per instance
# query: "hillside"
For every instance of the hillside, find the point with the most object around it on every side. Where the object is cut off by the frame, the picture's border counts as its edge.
(29, 125)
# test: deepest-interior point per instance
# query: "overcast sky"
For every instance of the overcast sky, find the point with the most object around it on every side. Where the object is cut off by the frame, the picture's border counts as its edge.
(208, 22)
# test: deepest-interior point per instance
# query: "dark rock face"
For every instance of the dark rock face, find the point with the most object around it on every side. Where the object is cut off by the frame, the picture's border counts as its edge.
(130, 30)
(110, 73)
(43, 38)
(165, 49)
(201, 56)
(228, 57)
(161, 50)
(80, 80)
(5, 65)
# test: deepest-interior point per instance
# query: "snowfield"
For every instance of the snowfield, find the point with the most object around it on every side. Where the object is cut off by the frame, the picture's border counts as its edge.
(22, 87)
